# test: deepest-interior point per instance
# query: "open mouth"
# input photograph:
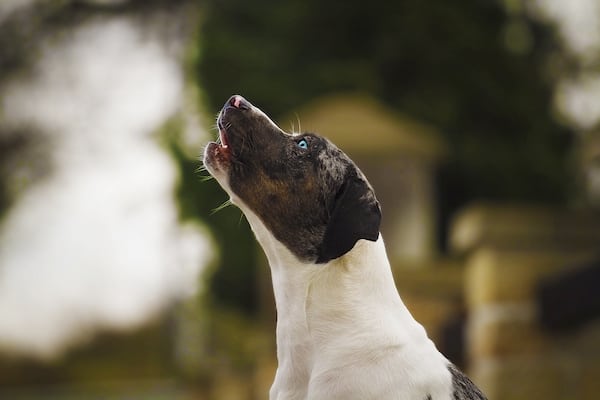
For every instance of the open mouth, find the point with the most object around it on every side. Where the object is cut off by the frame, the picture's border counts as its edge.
(217, 155)
(223, 139)
(223, 142)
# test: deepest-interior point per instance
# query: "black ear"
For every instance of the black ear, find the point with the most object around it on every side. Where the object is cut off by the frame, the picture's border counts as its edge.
(356, 215)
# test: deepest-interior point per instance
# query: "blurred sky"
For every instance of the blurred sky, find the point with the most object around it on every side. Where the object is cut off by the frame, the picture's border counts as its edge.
(578, 23)
(97, 243)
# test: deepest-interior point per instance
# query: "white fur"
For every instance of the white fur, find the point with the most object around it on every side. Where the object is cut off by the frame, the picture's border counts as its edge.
(342, 329)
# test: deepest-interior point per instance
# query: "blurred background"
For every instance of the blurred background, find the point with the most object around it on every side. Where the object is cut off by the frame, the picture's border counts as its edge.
(478, 123)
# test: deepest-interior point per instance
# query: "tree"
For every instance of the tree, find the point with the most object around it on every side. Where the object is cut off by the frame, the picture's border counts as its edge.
(450, 64)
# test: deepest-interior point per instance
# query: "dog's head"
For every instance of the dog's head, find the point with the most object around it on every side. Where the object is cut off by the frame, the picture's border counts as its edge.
(306, 191)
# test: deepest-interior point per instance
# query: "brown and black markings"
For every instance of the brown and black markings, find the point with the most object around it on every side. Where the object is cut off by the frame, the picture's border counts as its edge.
(307, 192)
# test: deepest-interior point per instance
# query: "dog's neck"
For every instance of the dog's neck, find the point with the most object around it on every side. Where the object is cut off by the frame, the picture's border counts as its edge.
(327, 314)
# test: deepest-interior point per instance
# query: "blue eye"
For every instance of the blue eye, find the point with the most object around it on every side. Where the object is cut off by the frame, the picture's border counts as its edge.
(303, 144)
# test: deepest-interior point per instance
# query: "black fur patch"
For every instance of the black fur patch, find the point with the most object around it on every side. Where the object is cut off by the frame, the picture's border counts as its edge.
(462, 387)
(355, 216)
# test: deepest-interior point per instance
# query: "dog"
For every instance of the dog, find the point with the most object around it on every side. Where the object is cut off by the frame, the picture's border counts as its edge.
(342, 330)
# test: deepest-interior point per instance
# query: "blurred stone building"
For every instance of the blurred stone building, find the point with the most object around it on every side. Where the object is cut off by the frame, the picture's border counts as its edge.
(511, 253)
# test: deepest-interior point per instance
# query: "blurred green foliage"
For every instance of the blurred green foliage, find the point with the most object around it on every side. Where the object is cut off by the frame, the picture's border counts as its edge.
(442, 62)
(461, 66)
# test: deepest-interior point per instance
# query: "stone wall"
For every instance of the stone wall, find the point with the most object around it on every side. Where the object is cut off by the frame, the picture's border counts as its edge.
(509, 251)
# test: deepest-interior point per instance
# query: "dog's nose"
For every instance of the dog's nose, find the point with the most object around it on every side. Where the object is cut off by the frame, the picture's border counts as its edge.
(239, 102)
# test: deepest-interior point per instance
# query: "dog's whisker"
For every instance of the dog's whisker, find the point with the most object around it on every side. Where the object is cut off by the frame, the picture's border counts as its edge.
(299, 124)
(201, 168)
(242, 216)
(223, 206)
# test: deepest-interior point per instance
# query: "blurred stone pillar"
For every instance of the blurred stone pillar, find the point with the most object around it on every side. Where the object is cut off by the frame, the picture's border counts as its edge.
(509, 250)
(590, 163)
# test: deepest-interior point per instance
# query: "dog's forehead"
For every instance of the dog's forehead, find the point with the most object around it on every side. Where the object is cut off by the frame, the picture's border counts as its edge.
(336, 164)
(333, 161)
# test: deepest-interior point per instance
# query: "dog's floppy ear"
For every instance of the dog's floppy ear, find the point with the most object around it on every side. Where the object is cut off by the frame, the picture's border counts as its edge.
(356, 215)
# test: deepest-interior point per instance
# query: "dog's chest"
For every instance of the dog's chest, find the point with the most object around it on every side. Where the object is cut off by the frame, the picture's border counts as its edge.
(343, 333)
